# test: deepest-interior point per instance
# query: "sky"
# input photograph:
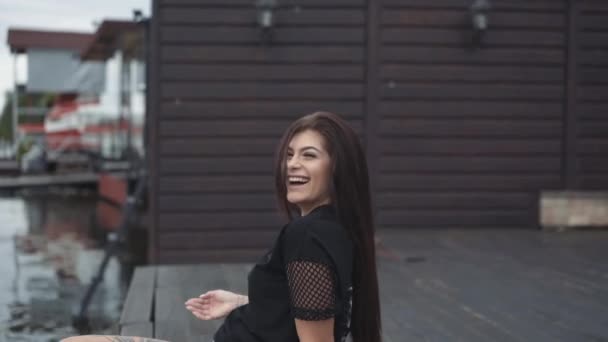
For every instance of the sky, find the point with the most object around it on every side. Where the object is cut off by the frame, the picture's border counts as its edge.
(64, 15)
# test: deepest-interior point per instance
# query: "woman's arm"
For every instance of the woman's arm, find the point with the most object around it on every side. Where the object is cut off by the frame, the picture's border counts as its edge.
(315, 331)
(215, 304)
(242, 300)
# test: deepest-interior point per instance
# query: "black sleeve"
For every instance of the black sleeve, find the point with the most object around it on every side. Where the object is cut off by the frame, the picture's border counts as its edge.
(311, 277)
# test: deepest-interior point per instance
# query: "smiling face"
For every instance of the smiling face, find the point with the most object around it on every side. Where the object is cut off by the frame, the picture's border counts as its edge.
(308, 171)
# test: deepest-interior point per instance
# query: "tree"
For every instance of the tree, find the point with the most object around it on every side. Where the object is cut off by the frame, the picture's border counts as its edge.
(6, 120)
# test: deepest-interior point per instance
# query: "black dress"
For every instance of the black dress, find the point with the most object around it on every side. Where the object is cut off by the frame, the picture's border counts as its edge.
(307, 275)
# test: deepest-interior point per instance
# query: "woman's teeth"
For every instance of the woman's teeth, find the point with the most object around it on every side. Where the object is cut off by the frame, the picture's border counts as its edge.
(298, 180)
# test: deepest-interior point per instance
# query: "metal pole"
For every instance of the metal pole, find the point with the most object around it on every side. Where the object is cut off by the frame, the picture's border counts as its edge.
(118, 132)
(15, 100)
(128, 91)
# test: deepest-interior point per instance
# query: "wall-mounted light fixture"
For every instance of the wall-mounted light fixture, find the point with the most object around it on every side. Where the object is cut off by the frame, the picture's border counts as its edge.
(138, 16)
(265, 15)
(479, 18)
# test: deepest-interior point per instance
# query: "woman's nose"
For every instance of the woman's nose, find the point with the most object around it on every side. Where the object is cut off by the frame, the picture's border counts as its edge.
(293, 162)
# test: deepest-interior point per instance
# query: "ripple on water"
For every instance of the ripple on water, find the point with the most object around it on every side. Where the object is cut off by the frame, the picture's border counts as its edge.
(47, 261)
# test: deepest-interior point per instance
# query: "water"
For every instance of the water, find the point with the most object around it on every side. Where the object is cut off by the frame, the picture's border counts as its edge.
(48, 257)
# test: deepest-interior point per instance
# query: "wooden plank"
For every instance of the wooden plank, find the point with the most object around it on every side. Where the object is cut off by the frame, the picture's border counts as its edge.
(593, 181)
(218, 240)
(347, 54)
(489, 91)
(212, 255)
(456, 218)
(270, 128)
(247, 16)
(261, 73)
(592, 164)
(233, 220)
(470, 108)
(214, 202)
(259, 110)
(592, 146)
(591, 7)
(593, 129)
(592, 111)
(465, 164)
(469, 73)
(458, 55)
(139, 301)
(453, 18)
(247, 3)
(593, 57)
(454, 37)
(173, 321)
(172, 276)
(178, 184)
(592, 93)
(546, 5)
(593, 75)
(217, 166)
(595, 21)
(254, 90)
(468, 182)
(248, 35)
(236, 276)
(470, 147)
(142, 329)
(456, 200)
(471, 128)
(208, 147)
(595, 39)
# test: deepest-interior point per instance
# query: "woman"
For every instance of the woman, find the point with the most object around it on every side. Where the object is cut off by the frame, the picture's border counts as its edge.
(318, 282)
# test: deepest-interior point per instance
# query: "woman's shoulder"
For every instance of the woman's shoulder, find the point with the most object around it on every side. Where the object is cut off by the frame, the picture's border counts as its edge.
(320, 238)
(327, 233)
(316, 226)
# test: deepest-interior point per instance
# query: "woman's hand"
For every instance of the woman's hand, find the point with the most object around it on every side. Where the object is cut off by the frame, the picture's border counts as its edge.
(215, 304)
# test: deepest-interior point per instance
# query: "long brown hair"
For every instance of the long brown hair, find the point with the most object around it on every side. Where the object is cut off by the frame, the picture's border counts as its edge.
(350, 196)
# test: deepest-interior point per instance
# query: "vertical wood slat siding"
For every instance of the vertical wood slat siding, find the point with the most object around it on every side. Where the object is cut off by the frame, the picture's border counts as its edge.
(592, 95)
(467, 137)
(152, 122)
(225, 99)
(569, 157)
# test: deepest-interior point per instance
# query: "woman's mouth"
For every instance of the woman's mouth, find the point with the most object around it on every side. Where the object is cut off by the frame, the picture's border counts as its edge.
(294, 181)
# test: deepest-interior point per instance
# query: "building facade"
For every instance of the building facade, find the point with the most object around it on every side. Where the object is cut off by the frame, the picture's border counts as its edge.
(466, 114)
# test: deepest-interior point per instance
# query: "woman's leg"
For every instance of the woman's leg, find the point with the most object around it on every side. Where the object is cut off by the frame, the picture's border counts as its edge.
(107, 338)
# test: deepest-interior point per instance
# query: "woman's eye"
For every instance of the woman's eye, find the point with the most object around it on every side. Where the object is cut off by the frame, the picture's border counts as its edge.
(309, 155)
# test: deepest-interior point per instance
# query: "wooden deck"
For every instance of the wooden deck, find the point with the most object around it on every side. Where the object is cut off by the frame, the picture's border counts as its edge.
(9, 167)
(436, 285)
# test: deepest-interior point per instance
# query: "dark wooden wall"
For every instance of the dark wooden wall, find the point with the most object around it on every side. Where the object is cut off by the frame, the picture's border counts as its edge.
(469, 135)
(590, 119)
(457, 135)
(225, 99)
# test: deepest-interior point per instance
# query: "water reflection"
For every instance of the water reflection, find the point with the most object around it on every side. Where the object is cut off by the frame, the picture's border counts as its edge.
(48, 257)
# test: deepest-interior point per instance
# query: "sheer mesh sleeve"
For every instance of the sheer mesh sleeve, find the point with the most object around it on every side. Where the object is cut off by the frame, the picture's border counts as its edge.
(312, 290)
